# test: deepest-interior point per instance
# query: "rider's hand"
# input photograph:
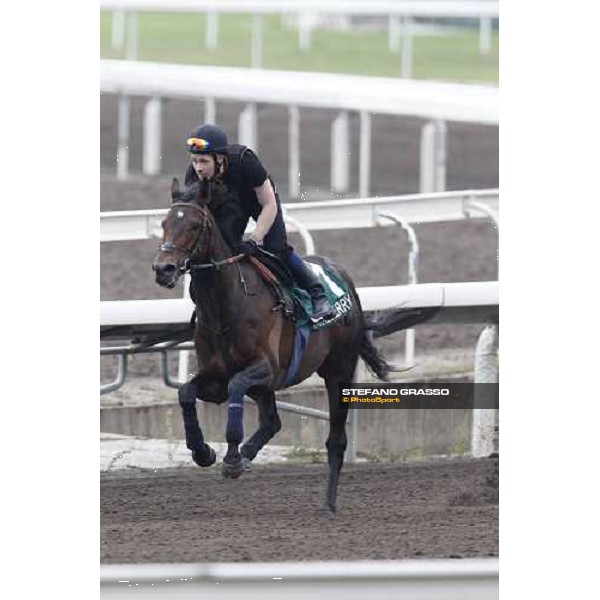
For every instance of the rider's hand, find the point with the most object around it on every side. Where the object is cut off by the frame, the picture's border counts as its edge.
(249, 247)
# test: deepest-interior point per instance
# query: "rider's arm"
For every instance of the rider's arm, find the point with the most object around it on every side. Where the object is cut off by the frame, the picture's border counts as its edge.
(266, 198)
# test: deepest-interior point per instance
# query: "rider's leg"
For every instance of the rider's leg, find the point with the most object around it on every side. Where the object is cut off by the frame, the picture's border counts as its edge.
(308, 281)
(276, 241)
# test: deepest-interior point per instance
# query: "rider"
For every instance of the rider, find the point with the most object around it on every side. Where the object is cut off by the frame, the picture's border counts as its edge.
(212, 157)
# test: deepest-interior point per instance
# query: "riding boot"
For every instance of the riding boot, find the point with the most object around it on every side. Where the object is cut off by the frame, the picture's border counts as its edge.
(307, 280)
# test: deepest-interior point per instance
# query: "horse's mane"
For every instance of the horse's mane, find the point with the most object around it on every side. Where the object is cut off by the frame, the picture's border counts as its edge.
(225, 207)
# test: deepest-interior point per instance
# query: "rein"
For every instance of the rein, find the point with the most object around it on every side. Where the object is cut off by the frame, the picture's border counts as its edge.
(213, 264)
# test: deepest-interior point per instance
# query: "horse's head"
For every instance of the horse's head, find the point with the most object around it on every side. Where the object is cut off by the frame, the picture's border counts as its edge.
(185, 232)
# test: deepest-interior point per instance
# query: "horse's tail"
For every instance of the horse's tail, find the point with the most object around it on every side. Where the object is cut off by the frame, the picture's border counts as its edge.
(372, 357)
(399, 319)
(366, 350)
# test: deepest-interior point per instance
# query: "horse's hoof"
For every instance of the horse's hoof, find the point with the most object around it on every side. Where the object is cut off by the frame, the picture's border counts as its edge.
(232, 470)
(202, 460)
(247, 464)
(328, 511)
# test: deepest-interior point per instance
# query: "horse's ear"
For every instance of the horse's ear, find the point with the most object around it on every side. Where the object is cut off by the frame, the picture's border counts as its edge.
(175, 193)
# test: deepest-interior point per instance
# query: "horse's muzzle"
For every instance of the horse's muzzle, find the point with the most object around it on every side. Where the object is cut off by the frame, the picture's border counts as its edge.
(165, 274)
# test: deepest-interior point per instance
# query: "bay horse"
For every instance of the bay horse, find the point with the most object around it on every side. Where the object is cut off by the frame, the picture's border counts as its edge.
(243, 345)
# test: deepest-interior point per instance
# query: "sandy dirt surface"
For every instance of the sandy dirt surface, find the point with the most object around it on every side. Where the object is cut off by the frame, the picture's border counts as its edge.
(446, 508)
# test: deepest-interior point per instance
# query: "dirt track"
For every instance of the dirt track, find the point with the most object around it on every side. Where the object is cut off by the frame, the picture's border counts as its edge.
(386, 511)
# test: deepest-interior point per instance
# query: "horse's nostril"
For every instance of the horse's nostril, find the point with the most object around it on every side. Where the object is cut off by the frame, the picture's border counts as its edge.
(164, 270)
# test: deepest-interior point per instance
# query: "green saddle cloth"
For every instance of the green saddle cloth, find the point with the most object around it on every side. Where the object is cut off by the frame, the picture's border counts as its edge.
(336, 291)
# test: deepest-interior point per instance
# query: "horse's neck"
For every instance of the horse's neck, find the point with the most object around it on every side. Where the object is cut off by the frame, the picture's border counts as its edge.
(216, 290)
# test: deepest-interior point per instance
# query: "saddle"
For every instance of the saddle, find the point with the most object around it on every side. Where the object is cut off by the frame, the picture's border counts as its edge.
(281, 282)
(296, 302)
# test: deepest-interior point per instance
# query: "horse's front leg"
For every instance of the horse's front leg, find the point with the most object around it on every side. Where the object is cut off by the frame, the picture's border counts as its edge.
(257, 374)
(202, 454)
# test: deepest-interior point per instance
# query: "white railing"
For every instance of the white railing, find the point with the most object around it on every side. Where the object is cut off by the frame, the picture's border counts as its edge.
(400, 16)
(428, 579)
(381, 95)
(473, 302)
(434, 101)
(414, 8)
(334, 214)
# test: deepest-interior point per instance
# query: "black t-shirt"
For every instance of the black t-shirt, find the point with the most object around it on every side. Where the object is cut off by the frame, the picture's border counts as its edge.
(244, 173)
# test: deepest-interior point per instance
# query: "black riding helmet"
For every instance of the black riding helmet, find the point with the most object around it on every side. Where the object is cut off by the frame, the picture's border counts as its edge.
(208, 139)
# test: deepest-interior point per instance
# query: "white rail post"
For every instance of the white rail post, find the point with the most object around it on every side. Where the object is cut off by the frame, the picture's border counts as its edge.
(210, 111)
(256, 61)
(117, 30)
(365, 155)
(342, 22)
(304, 31)
(211, 33)
(433, 157)
(470, 204)
(394, 33)
(131, 50)
(247, 133)
(406, 58)
(486, 371)
(413, 278)
(123, 137)
(340, 152)
(152, 136)
(294, 152)
(485, 35)
(441, 152)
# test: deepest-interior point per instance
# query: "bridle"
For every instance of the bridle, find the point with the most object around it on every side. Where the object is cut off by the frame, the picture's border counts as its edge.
(189, 264)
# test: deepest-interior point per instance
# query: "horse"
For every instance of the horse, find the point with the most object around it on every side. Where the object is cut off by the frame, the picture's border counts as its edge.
(243, 344)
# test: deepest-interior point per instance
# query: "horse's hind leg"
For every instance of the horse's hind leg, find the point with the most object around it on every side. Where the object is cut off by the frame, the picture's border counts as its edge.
(202, 454)
(269, 425)
(336, 443)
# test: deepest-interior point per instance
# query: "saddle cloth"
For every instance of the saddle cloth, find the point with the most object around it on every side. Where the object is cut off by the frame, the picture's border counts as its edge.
(296, 302)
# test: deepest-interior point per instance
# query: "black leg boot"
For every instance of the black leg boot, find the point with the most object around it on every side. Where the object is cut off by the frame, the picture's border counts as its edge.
(307, 280)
